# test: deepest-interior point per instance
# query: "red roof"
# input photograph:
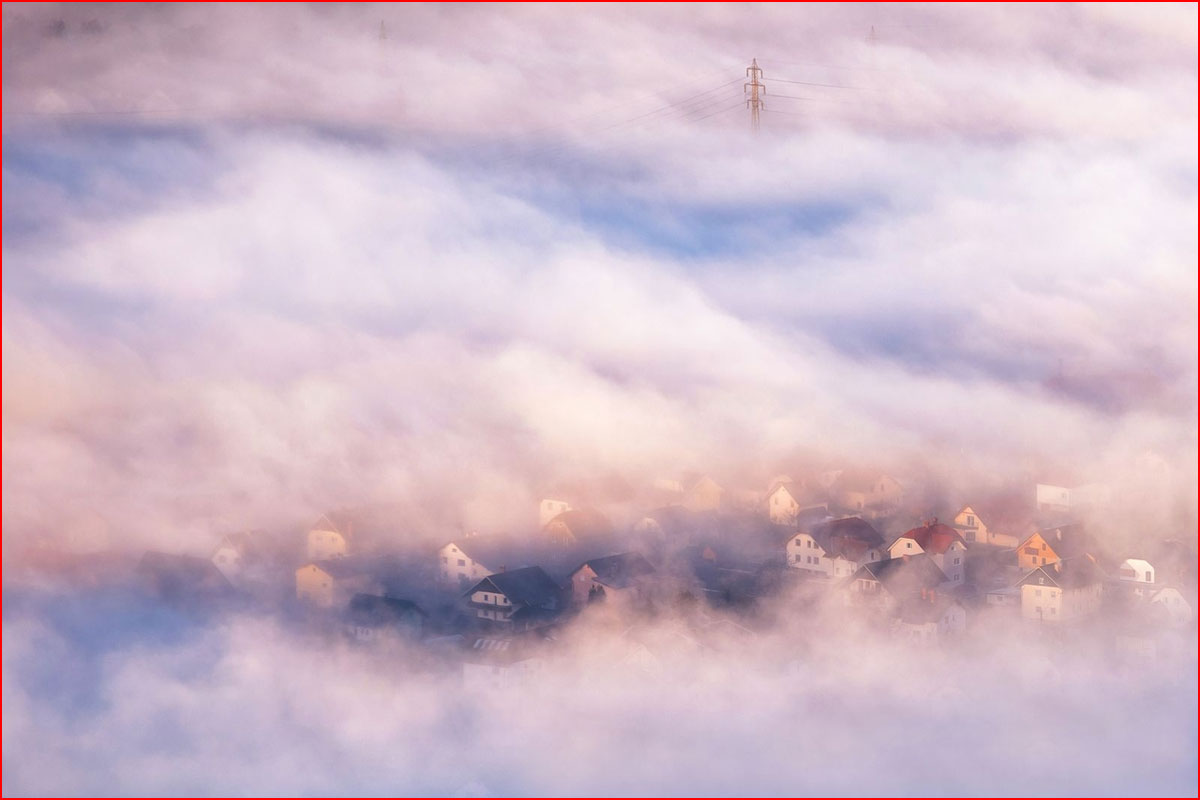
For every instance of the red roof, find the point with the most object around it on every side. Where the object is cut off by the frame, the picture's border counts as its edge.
(934, 537)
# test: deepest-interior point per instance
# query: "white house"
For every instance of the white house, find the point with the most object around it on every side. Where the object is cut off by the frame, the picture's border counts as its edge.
(943, 544)
(1136, 570)
(498, 664)
(786, 500)
(457, 567)
(864, 491)
(930, 618)
(1178, 609)
(835, 548)
(1063, 591)
(549, 509)
(518, 598)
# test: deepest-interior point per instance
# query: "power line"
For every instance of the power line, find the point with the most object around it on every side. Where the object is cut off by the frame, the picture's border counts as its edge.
(722, 111)
(810, 83)
(793, 97)
(675, 104)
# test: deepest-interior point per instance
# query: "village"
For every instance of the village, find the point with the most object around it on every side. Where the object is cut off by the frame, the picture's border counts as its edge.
(496, 604)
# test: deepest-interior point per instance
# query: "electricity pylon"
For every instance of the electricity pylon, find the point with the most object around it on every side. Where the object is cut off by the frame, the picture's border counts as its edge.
(755, 89)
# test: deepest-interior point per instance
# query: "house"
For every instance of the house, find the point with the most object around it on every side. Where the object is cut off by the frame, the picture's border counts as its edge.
(1062, 591)
(329, 537)
(787, 499)
(549, 509)
(942, 543)
(375, 618)
(493, 663)
(623, 577)
(866, 491)
(255, 559)
(896, 580)
(974, 530)
(463, 563)
(1052, 544)
(1052, 498)
(330, 583)
(577, 525)
(929, 618)
(1061, 498)
(182, 578)
(1135, 570)
(1176, 609)
(835, 548)
(233, 554)
(529, 592)
(704, 495)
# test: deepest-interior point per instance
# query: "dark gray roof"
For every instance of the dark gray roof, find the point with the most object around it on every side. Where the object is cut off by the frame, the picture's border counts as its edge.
(498, 552)
(835, 536)
(1070, 573)
(347, 567)
(181, 575)
(905, 576)
(620, 570)
(922, 610)
(370, 609)
(530, 586)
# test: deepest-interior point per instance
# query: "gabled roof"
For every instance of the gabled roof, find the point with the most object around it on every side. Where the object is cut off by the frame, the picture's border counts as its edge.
(934, 537)
(530, 586)
(680, 520)
(620, 570)
(370, 609)
(859, 480)
(496, 552)
(182, 575)
(341, 568)
(923, 610)
(583, 522)
(1072, 573)
(1067, 541)
(337, 521)
(905, 576)
(848, 537)
(800, 493)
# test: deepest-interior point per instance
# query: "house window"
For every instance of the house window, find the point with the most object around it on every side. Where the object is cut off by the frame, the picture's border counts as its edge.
(957, 560)
(1037, 592)
(970, 521)
(908, 545)
(798, 543)
(462, 562)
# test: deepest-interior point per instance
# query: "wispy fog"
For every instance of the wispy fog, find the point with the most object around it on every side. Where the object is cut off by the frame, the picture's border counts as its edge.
(436, 263)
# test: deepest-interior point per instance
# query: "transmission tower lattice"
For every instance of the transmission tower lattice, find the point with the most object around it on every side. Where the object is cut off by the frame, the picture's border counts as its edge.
(754, 89)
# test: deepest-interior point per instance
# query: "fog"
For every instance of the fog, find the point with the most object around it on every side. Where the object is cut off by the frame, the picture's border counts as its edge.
(437, 263)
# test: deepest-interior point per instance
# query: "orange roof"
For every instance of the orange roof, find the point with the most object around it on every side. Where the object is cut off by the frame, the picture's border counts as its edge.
(934, 537)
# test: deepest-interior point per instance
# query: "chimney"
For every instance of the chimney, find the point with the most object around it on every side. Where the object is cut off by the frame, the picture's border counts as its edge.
(503, 568)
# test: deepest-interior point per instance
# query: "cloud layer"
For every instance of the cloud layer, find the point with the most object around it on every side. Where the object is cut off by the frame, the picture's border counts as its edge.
(263, 262)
